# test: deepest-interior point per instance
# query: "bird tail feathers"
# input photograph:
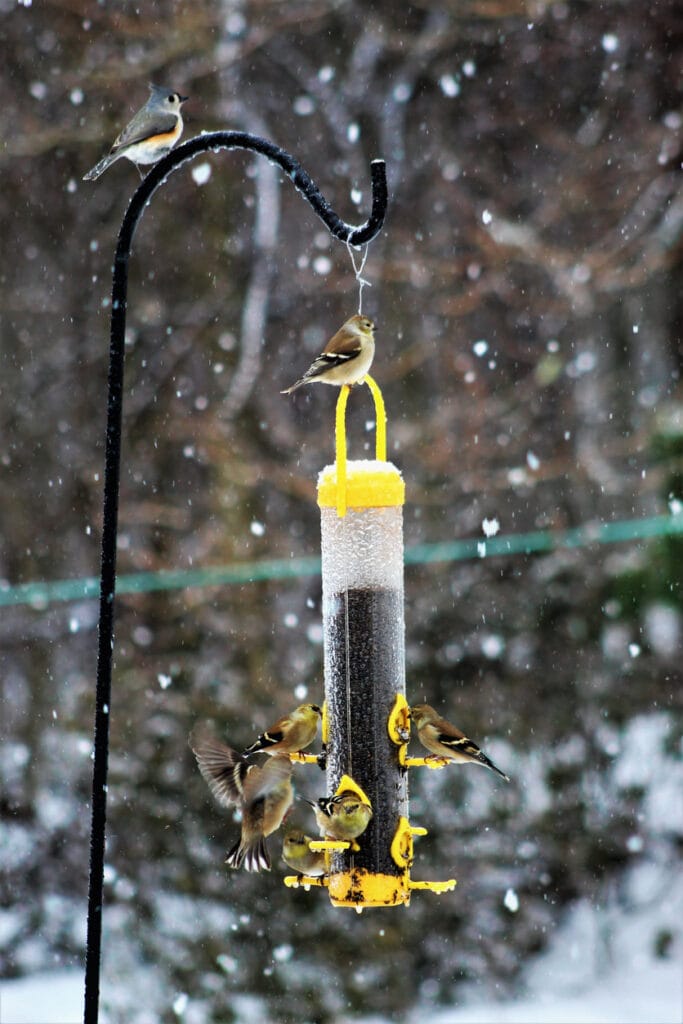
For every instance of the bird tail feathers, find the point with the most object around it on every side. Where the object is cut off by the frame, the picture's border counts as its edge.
(253, 856)
(101, 167)
(483, 759)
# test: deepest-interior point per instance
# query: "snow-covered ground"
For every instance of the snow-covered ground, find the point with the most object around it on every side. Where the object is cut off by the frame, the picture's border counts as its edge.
(601, 969)
(54, 997)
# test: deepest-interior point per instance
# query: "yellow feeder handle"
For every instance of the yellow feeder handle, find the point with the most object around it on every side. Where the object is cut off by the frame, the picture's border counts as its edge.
(380, 419)
(340, 448)
(340, 436)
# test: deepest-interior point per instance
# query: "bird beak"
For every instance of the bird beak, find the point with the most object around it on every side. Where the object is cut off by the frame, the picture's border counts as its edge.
(184, 99)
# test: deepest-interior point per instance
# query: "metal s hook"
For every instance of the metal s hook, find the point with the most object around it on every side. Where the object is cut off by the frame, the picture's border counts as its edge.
(303, 183)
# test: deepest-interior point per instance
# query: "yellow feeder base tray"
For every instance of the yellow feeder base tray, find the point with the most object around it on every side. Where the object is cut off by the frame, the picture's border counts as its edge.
(359, 888)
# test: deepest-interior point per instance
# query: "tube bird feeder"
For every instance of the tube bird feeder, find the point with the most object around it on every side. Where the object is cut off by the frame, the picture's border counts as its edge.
(366, 724)
(363, 629)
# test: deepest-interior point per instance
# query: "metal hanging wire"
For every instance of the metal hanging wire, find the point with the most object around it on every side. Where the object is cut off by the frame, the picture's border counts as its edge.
(358, 270)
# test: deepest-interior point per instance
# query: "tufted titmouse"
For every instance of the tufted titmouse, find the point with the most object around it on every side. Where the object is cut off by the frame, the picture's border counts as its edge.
(151, 134)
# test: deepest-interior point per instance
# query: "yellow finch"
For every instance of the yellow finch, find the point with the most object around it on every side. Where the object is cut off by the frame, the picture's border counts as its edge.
(264, 795)
(343, 817)
(346, 358)
(290, 733)
(444, 740)
(298, 855)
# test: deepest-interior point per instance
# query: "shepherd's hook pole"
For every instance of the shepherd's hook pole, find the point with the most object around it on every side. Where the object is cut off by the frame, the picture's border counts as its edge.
(112, 462)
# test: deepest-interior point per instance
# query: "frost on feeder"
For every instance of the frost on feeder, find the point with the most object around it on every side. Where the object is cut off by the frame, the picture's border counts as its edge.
(366, 725)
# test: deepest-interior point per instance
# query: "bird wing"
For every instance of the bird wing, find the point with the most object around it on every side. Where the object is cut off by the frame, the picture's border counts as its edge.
(140, 128)
(345, 348)
(224, 770)
(263, 780)
(330, 360)
(276, 732)
(268, 738)
(461, 744)
(458, 742)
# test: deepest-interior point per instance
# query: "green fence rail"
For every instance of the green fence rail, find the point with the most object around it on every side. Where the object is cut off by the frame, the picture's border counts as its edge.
(41, 594)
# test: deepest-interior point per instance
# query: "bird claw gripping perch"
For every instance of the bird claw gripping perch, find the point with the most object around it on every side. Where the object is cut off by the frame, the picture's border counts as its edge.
(430, 761)
(299, 757)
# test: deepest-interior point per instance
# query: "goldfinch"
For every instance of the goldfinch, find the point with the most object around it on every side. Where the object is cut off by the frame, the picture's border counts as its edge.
(297, 853)
(289, 734)
(264, 795)
(346, 358)
(343, 817)
(443, 739)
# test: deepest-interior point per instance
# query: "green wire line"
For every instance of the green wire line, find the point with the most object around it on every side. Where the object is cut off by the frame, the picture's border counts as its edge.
(546, 540)
(39, 595)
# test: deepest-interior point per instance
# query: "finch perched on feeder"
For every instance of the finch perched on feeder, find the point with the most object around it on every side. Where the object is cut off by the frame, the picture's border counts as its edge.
(263, 794)
(343, 817)
(346, 358)
(289, 734)
(297, 853)
(444, 740)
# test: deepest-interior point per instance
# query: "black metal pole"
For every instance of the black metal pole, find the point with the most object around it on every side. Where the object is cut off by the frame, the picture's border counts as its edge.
(355, 235)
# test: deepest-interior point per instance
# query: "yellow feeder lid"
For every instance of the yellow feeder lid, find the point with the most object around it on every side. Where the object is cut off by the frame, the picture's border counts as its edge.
(369, 484)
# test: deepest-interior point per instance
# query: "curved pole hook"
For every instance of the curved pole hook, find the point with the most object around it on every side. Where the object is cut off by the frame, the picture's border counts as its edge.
(354, 235)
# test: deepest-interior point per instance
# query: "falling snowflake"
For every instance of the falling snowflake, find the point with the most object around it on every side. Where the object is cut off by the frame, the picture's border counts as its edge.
(490, 527)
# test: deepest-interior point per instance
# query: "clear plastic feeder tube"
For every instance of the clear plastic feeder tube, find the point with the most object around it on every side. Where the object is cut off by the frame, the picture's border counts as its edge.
(364, 648)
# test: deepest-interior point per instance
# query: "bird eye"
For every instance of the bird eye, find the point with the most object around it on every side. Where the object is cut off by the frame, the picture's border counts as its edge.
(172, 98)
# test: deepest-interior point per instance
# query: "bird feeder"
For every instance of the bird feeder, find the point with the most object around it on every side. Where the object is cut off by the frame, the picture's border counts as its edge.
(366, 726)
